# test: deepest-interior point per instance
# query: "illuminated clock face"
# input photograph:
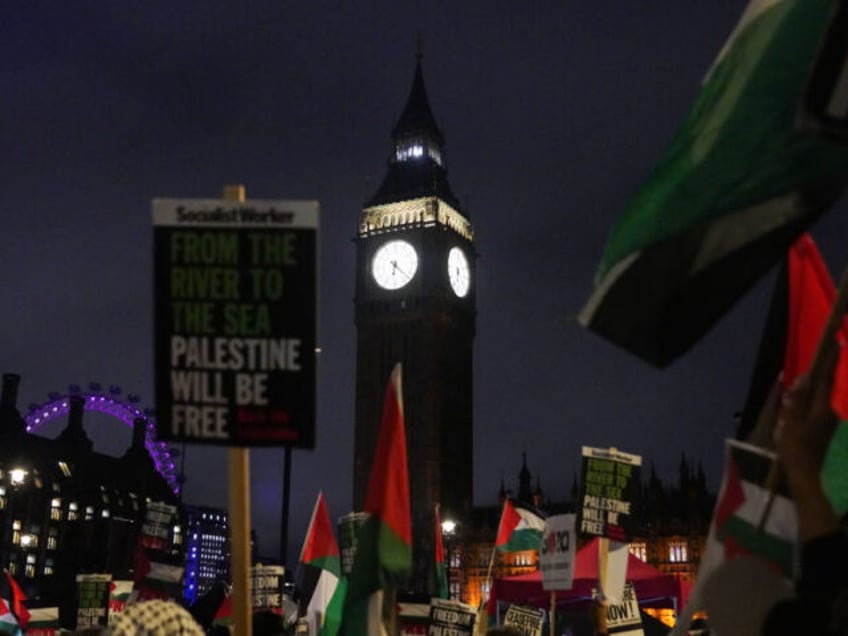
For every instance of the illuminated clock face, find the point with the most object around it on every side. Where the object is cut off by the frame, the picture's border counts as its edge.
(458, 272)
(394, 264)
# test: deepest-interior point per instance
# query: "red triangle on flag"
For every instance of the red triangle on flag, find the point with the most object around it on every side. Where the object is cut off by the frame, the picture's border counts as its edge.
(320, 541)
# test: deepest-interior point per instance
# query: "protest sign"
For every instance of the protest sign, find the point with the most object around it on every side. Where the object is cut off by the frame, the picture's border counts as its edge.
(610, 487)
(119, 594)
(623, 618)
(527, 621)
(267, 583)
(557, 552)
(92, 600)
(235, 316)
(451, 618)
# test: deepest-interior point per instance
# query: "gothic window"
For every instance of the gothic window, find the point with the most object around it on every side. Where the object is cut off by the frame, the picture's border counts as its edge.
(677, 552)
(639, 549)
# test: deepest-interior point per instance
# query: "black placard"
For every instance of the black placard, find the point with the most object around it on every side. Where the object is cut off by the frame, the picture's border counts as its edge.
(235, 316)
(610, 488)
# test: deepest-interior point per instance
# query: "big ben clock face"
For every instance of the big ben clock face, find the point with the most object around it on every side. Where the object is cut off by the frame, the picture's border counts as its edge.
(394, 264)
(458, 272)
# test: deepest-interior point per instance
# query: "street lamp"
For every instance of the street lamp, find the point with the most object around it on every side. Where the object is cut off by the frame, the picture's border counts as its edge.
(448, 532)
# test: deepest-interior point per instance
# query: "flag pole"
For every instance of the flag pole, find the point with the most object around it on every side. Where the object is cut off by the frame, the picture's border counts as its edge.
(239, 509)
(482, 628)
(603, 556)
(827, 344)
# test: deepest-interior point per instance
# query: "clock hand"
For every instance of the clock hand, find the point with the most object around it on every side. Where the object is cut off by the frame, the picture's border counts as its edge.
(395, 266)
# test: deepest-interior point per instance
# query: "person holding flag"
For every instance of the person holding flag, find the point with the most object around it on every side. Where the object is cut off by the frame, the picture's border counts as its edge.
(805, 427)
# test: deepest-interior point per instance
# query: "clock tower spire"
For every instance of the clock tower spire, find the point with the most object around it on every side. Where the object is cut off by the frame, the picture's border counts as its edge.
(415, 304)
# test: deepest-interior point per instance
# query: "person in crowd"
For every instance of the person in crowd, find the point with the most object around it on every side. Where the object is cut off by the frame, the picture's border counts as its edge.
(804, 430)
(155, 618)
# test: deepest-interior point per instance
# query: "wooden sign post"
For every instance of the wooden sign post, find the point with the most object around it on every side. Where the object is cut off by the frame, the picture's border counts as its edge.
(239, 508)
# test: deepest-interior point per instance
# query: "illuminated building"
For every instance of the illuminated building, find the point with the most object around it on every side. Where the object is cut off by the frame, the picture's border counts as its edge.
(672, 523)
(415, 304)
(207, 550)
(66, 509)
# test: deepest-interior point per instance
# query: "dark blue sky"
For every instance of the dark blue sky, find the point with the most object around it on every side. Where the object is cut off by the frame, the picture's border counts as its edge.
(553, 115)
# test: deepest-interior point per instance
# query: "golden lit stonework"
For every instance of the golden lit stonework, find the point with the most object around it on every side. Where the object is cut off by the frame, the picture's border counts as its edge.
(420, 212)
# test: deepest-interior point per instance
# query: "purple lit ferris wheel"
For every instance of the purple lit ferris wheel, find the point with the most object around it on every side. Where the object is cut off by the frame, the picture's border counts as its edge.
(110, 402)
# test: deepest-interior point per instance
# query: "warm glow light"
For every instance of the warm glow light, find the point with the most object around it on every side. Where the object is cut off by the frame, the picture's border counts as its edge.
(448, 526)
(17, 476)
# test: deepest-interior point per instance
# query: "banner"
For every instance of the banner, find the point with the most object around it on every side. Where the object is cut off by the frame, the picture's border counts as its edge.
(451, 618)
(92, 600)
(610, 487)
(235, 316)
(557, 552)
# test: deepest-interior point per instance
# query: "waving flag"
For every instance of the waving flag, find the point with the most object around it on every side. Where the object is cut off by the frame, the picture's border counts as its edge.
(737, 186)
(224, 614)
(384, 545)
(734, 530)
(811, 296)
(43, 621)
(442, 590)
(519, 529)
(322, 588)
(18, 598)
(8, 622)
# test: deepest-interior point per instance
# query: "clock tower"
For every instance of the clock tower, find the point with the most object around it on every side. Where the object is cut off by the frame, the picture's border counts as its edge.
(415, 304)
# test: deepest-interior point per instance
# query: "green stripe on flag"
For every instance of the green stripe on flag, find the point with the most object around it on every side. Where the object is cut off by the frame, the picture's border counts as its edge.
(736, 187)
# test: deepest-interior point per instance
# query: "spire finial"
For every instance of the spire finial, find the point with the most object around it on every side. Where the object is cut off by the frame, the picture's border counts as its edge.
(419, 47)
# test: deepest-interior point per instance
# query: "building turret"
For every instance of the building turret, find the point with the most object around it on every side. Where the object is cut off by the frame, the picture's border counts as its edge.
(12, 425)
(525, 492)
(74, 438)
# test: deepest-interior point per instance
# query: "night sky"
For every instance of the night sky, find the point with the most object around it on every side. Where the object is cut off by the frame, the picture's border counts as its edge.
(554, 115)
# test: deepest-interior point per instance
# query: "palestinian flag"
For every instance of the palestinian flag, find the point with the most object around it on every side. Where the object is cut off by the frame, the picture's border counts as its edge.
(383, 556)
(155, 580)
(8, 622)
(18, 598)
(43, 621)
(734, 190)
(741, 504)
(442, 590)
(734, 529)
(224, 614)
(322, 588)
(811, 297)
(519, 529)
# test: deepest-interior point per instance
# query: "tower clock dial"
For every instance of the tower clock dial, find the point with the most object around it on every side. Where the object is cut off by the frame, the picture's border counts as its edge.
(394, 264)
(458, 272)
